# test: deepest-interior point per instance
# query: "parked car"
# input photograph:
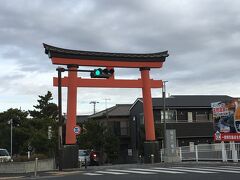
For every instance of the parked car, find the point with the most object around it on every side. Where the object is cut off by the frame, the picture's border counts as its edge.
(82, 156)
(4, 155)
(94, 157)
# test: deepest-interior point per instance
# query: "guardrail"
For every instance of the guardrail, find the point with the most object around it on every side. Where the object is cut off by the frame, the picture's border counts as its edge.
(205, 152)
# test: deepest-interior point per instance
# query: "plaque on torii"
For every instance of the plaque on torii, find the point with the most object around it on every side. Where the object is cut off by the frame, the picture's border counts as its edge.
(74, 58)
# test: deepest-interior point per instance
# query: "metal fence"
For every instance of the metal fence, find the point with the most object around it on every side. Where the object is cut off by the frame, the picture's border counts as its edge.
(205, 152)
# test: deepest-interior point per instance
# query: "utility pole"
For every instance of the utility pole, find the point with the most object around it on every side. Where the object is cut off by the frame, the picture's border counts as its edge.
(164, 112)
(60, 122)
(11, 124)
(94, 105)
(106, 99)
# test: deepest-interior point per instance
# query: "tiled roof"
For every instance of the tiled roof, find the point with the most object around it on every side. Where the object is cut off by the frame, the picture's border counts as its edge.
(53, 51)
(117, 110)
(190, 100)
(81, 118)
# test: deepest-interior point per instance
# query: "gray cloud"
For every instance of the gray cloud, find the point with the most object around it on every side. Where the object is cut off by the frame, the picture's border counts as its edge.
(202, 38)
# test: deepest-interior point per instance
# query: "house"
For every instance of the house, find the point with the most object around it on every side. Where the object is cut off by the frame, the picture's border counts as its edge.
(80, 119)
(117, 119)
(190, 115)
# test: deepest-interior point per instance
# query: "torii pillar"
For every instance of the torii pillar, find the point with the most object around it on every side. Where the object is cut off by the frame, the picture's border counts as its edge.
(147, 105)
(151, 146)
(71, 104)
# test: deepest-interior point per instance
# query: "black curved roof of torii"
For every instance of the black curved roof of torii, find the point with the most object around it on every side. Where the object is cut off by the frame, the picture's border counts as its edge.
(77, 54)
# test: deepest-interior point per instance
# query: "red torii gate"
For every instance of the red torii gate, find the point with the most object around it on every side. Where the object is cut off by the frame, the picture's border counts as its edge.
(73, 59)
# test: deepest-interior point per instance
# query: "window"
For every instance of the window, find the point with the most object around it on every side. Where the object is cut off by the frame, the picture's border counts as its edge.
(190, 117)
(4, 152)
(124, 126)
(191, 146)
(83, 153)
(116, 128)
(170, 116)
(201, 117)
(157, 116)
(141, 118)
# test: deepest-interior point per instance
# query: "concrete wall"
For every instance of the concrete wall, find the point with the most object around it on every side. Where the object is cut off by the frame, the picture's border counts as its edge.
(26, 167)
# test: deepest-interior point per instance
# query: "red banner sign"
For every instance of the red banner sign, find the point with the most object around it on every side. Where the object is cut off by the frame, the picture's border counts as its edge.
(226, 137)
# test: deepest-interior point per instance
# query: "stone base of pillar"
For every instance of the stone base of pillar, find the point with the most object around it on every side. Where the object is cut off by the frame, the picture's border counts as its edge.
(70, 156)
(151, 152)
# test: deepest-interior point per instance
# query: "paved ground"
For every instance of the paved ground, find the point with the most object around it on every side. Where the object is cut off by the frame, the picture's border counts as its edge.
(211, 170)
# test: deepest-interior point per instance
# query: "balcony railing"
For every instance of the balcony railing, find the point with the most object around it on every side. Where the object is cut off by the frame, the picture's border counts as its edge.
(186, 121)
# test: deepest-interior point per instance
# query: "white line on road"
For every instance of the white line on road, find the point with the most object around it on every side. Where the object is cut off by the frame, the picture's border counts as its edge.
(211, 169)
(92, 174)
(110, 172)
(130, 171)
(188, 170)
(230, 167)
(158, 170)
(15, 177)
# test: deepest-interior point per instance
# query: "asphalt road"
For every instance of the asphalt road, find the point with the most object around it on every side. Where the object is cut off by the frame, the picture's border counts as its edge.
(177, 172)
(221, 176)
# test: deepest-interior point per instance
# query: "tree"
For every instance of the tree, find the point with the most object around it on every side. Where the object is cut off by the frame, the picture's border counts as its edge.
(17, 115)
(111, 146)
(20, 135)
(45, 114)
(45, 108)
(93, 137)
(30, 131)
(100, 138)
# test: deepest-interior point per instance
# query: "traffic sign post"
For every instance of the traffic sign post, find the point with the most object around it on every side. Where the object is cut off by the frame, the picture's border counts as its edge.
(77, 130)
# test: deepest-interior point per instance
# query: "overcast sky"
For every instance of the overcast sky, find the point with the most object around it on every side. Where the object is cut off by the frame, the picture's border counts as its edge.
(202, 37)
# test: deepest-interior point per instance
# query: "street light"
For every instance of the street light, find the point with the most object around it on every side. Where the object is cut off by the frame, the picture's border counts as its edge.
(164, 111)
(11, 122)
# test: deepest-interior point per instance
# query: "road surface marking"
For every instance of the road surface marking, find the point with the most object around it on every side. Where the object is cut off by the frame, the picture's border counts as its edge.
(130, 171)
(230, 167)
(15, 177)
(92, 174)
(158, 170)
(65, 172)
(171, 170)
(188, 170)
(212, 169)
(110, 172)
